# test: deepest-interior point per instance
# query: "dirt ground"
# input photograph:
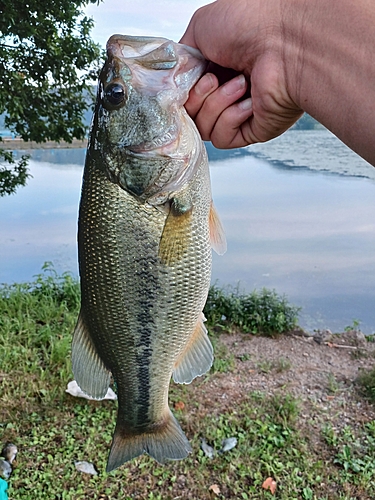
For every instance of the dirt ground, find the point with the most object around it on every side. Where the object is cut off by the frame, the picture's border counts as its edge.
(320, 371)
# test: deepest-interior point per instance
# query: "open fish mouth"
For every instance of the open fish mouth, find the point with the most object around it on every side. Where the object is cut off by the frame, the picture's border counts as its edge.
(166, 141)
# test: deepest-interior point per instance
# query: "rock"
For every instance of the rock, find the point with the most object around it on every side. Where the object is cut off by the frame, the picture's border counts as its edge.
(5, 469)
(9, 452)
(352, 337)
(300, 332)
(322, 336)
(74, 390)
(86, 468)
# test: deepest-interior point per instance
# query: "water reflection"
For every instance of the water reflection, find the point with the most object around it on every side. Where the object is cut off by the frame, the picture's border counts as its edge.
(38, 224)
(307, 234)
(310, 236)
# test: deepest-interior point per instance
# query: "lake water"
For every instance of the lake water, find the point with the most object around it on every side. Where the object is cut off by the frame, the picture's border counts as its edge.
(298, 214)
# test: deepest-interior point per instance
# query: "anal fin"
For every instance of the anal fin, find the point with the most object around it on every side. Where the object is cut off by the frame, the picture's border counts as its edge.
(197, 358)
(88, 369)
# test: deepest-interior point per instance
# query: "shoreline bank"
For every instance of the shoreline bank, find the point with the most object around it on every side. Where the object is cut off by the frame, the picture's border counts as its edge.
(19, 144)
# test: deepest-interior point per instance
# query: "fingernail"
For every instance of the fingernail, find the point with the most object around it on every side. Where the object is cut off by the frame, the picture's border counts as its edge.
(205, 84)
(246, 104)
(234, 85)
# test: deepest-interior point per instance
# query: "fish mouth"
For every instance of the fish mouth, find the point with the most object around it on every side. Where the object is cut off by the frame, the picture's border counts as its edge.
(160, 144)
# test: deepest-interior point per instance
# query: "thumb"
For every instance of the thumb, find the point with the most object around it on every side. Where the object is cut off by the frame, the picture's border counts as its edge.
(188, 37)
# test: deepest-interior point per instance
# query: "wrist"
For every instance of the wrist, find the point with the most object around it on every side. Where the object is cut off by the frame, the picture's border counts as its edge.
(295, 19)
(329, 70)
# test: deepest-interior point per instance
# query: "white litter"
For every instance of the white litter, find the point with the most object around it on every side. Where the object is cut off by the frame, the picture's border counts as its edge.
(86, 467)
(228, 444)
(74, 390)
(207, 449)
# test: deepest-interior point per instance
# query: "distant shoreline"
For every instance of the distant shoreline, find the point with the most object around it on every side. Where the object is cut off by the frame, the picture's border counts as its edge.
(19, 144)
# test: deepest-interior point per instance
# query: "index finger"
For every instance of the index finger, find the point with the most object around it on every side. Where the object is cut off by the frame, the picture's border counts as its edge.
(207, 84)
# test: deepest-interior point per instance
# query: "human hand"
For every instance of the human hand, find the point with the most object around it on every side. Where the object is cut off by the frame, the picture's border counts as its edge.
(223, 113)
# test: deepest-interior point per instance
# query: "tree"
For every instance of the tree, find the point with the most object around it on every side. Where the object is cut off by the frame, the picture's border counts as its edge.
(47, 64)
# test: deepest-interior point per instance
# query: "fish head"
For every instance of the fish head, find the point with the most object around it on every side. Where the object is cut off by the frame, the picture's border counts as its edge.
(143, 86)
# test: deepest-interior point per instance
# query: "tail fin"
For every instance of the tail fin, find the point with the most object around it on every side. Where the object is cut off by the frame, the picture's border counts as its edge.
(164, 443)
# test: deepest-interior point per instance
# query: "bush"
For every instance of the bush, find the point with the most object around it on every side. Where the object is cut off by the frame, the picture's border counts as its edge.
(261, 311)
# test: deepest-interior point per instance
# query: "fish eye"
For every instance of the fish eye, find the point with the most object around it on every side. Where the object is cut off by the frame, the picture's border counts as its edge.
(114, 94)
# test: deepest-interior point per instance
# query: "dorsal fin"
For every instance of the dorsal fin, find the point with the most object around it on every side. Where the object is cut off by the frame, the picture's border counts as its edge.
(217, 235)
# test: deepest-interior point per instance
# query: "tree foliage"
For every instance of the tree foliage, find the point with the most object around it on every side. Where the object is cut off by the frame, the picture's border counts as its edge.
(47, 62)
(13, 175)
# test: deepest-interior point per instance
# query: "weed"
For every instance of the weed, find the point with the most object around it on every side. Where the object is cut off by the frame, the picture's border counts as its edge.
(278, 366)
(282, 365)
(36, 322)
(332, 384)
(353, 327)
(224, 361)
(244, 357)
(359, 354)
(366, 382)
(265, 366)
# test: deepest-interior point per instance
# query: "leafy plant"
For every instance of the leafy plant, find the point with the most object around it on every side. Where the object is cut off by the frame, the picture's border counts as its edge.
(366, 382)
(17, 175)
(354, 326)
(262, 311)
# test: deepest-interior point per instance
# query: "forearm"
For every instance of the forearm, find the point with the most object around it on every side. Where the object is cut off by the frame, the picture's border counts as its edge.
(328, 53)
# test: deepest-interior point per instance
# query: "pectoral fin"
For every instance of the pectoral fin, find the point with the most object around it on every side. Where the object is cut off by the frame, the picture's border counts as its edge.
(88, 369)
(217, 235)
(197, 358)
(176, 234)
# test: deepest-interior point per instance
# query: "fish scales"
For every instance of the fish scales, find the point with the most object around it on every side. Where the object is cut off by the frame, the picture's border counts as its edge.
(144, 252)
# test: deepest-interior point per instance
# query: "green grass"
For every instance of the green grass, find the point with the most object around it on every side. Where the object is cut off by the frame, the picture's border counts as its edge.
(53, 430)
(36, 322)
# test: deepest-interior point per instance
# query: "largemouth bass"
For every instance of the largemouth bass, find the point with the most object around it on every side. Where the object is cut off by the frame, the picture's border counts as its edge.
(146, 228)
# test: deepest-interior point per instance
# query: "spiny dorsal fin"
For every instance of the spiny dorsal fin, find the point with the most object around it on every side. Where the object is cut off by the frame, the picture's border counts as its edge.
(197, 358)
(217, 235)
(88, 369)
